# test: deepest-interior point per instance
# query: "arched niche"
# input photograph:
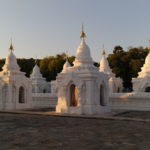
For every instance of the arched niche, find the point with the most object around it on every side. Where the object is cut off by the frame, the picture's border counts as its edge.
(147, 89)
(44, 90)
(21, 95)
(118, 90)
(102, 95)
(73, 95)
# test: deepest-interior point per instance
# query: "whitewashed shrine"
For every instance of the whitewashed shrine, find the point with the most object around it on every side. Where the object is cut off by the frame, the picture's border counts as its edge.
(15, 88)
(142, 82)
(115, 83)
(39, 84)
(82, 89)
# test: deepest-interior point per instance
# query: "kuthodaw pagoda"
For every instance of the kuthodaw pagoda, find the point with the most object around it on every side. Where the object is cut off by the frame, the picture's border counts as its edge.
(82, 89)
(78, 89)
(142, 82)
(115, 83)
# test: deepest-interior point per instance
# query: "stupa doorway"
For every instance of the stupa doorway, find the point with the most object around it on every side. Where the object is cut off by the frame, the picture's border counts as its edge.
(147, 89)
(73, 95)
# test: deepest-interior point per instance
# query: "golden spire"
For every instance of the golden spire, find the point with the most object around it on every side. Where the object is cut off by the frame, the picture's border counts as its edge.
(82, 34)
(103, 51)
(148, 46)
(11, 48)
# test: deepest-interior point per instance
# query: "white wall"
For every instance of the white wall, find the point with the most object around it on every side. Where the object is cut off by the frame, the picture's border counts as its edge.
(130, 101)
(44, 100)
(125, 101)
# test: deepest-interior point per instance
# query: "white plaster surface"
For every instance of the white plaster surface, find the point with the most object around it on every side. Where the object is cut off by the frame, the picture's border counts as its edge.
(130, 101)
(11, 80)
(87, 80)
(39, 84)
(115, 83)
(143, 80)
(44, 100)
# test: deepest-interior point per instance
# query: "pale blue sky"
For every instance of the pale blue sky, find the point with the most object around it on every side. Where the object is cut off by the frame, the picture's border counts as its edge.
(47, 27)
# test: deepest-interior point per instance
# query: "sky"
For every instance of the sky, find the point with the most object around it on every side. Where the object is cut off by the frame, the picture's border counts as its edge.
(41, 28)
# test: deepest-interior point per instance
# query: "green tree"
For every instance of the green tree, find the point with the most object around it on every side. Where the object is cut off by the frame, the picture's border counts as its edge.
(2, 62)
(52, 65)
(127, 64)
(136, 59)
(118, 49)
(26, 65)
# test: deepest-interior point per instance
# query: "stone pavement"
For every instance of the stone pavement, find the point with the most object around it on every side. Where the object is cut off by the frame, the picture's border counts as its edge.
(33, 130)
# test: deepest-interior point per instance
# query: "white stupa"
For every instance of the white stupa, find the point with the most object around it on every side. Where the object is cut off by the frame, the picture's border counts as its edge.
(15, 87)
(115, 84)
(104, 65)
(82, 89)
(39, 84)
(11, 63)
(83, 56)
(66, 66)
(142, 82)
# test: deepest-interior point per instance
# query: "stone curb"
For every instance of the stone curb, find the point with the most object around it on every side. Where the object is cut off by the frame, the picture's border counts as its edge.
(78, 116)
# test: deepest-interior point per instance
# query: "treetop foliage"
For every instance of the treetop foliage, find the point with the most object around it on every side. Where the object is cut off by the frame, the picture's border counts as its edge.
(125, 64)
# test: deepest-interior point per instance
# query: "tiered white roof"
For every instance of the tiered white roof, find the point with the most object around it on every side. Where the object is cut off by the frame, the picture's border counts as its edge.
(142, 81)
(114, 82)
(11, 62)
(83, 55)
(66, 65)
(145, 70)
(104, 65)
(36, 74)
(39, 84)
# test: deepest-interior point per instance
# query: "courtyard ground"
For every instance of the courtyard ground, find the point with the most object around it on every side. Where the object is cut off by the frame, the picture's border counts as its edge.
(31, 131)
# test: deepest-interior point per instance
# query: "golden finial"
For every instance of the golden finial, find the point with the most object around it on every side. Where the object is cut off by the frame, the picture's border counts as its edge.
(103, 51)
(11, 48)
(82, 34)
(148, 46)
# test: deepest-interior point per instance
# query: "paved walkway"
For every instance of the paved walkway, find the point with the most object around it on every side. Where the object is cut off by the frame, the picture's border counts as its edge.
(114, 115)
(33, 130)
